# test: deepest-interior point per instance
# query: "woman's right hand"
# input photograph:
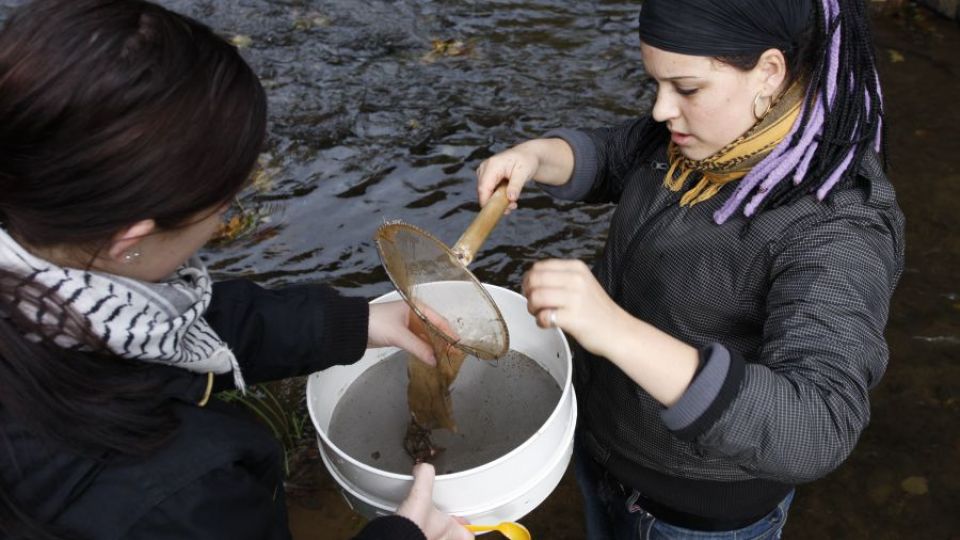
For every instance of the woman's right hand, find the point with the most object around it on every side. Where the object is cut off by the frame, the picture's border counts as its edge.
(516, 165)
(549, 161)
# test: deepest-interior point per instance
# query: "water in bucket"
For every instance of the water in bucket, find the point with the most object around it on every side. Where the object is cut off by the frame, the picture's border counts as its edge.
(497, 405)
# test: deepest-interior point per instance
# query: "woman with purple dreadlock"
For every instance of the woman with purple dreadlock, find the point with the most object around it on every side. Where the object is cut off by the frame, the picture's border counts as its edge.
(733, 325)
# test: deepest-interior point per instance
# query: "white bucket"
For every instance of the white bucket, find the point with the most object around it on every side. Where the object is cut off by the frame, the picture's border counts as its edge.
(504, 489)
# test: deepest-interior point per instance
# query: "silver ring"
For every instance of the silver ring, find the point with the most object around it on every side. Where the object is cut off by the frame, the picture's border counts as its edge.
(552, 318)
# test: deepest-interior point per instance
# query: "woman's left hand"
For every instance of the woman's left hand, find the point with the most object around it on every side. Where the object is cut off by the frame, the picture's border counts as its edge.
(389, 327)
(565, 294)
(418, 507)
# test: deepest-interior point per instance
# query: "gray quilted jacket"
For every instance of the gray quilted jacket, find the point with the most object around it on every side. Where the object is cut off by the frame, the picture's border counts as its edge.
(788, 309)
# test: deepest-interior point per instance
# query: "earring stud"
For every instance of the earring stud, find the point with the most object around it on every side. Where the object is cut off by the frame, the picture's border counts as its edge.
(131, 256)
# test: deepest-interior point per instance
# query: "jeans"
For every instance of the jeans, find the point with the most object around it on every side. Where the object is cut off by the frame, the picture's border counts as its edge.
(610, 515)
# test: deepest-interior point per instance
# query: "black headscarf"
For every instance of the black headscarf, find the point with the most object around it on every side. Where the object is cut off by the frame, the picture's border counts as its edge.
(724, 27)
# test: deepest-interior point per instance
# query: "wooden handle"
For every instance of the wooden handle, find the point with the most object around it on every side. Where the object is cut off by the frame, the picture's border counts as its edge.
(476, 234)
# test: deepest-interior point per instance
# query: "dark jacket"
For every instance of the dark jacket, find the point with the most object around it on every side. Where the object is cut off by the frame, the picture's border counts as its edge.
(221, 474)
(788, 309)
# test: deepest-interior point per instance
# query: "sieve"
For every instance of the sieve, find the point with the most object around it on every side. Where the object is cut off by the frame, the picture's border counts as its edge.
(472, 322)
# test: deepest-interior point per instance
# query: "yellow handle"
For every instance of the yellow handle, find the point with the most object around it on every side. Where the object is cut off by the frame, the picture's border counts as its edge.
(511, 530)
(469, 243)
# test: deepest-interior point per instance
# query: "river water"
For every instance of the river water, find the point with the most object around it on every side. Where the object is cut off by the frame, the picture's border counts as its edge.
(371, 121)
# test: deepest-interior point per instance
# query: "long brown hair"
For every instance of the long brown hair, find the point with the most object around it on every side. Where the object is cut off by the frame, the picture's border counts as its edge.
(111, 111)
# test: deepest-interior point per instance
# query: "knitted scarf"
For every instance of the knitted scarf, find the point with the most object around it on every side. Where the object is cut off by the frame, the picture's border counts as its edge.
(151, 322)
(735, 160)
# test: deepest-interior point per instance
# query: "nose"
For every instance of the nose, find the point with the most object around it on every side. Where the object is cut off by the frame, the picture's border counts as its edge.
(665, 107)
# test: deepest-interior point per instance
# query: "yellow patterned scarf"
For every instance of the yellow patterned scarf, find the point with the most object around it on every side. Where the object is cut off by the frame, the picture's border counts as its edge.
(735, 160)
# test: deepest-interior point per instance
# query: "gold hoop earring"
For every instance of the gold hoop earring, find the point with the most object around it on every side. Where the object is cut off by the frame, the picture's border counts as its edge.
(756, 101)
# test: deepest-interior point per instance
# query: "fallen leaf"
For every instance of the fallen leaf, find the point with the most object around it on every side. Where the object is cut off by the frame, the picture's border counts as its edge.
(310, 21)
(447, 48)
(895, 56)
(262, 179)
(228, 229)
(241, 41)
(243, 222)
(915, 485)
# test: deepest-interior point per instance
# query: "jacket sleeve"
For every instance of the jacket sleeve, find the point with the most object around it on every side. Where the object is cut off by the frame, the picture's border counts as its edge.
(604, 159)
(287, 332)
(391, 528)
(225, 503)
(796, 413)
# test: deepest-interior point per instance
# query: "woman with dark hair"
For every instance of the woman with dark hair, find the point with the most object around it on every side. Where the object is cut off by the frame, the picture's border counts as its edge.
(125, 130)
(733, 325)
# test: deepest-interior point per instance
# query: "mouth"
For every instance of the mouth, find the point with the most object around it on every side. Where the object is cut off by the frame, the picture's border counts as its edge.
(679, 138)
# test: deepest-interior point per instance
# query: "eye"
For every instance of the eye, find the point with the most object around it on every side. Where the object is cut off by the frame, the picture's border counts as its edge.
(687, 91)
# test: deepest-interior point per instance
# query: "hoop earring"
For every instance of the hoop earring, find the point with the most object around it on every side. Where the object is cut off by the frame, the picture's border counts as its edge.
(756, 101)
(131, 256)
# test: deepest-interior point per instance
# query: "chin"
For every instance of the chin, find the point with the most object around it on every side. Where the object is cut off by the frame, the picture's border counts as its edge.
(694, 153)
(697, 152)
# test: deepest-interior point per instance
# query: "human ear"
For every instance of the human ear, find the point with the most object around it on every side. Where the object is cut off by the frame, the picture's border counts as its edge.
(128, 238)
(771, 71)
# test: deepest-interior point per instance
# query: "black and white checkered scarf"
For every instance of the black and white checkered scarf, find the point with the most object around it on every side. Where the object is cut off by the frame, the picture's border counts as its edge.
(152, 322)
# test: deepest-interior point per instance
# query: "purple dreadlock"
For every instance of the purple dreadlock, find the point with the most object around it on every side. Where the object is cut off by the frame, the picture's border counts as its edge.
(841, 119)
